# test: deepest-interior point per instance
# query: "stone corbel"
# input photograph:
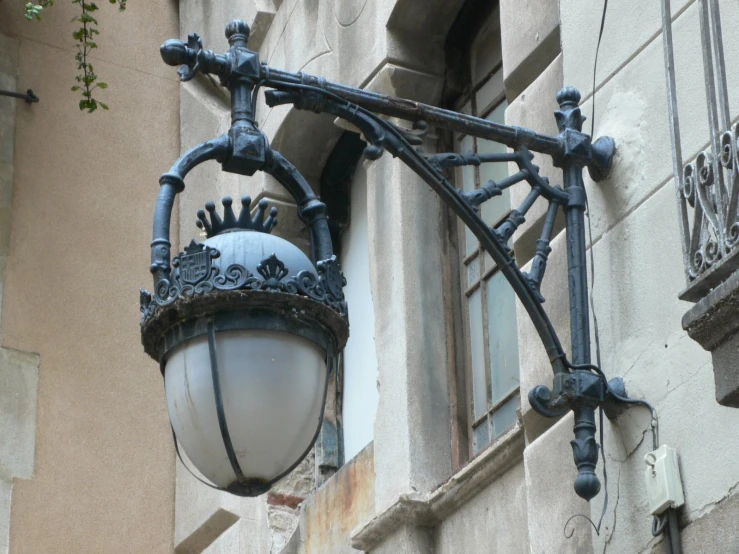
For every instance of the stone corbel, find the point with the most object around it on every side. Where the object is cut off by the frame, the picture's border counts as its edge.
(713, 324)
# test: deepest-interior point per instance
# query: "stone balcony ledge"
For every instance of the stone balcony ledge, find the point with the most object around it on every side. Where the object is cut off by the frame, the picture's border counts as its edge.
(713, 324)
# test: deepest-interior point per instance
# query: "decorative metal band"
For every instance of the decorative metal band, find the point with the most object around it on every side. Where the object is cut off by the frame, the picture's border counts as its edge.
(195, 274)
(222, 424)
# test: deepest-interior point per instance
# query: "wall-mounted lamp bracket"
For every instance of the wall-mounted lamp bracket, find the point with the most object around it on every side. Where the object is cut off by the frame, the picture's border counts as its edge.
(578, 385)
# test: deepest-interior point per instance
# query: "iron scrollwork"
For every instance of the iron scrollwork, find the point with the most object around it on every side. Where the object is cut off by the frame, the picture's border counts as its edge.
(713, 198)
(707, 187)
(195, 275)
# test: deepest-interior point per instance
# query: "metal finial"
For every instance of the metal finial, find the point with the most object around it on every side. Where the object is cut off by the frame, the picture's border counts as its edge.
(568, 96)
(235, 28)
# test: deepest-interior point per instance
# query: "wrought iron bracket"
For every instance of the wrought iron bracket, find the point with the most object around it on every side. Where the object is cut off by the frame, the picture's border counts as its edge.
(29, 96)
(577, 385)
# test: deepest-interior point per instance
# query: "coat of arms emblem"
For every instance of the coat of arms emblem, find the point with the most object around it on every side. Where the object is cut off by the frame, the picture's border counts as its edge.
(195, 263)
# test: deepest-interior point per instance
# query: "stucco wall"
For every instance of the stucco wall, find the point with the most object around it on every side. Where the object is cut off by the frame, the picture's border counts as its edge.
(83, 190)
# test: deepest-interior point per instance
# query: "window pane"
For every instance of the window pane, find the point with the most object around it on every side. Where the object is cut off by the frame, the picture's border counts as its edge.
(498, 206)
(489, 263)
(477, 354)
(482, 436)
(470, 242)
(467, 145)
(503, 335)
(473, 271)
(490, 91)
(505, 416)
(486, 51)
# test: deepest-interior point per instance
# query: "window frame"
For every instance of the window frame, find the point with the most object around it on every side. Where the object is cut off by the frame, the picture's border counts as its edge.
(464, 422)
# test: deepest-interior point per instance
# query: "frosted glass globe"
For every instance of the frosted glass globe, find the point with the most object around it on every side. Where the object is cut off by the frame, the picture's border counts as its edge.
(273, 386)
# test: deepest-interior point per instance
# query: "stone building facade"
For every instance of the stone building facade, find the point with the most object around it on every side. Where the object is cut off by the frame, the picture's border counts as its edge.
(430, 443)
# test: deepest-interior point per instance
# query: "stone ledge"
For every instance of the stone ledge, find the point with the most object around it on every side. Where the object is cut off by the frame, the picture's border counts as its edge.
(427, 510)
(712, 323)
(713, 319)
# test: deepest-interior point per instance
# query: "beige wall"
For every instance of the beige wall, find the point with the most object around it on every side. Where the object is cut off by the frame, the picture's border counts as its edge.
(83, 194)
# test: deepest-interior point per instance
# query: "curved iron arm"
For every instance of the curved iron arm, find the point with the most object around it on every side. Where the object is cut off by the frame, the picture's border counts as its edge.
(578, 385)
(171, 184)
(383, 135)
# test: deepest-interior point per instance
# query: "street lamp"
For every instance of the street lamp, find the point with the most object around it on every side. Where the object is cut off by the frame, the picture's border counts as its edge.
(246, 328)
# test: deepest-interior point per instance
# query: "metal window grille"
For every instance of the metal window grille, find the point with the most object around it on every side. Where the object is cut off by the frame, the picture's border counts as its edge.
(707, 187)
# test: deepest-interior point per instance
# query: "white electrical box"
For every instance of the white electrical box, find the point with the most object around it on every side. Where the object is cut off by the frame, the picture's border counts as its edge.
(664, 488)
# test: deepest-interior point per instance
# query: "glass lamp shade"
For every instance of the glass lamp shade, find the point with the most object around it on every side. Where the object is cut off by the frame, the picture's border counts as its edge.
(273, 387)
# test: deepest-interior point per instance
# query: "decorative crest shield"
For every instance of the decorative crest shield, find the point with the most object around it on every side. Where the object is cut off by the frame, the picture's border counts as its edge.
(195, 262)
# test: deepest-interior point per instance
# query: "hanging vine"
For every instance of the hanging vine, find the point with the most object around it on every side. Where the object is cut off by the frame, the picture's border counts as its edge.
(85, 35)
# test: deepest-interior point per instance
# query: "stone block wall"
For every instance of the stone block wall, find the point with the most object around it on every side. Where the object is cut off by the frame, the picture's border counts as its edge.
(638, 263)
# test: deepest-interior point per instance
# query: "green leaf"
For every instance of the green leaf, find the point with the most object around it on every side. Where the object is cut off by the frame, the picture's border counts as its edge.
(104, 106)
(103, 85)
(75, 88)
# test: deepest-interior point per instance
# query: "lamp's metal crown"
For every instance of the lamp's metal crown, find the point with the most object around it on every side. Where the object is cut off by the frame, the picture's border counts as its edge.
(216, 225)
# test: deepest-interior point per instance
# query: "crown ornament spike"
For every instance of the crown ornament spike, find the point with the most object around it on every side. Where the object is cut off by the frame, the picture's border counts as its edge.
(271, 221)
(261, 224)
(245, 215)
(229, 219)
(261, 209)
(203, 223)
(215, 225)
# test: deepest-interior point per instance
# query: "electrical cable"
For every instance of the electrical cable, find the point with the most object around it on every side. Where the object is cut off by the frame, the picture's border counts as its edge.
(595, 62)
(674, 531)
(668, 523)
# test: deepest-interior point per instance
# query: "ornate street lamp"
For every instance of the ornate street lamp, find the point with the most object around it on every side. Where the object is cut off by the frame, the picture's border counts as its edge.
(246, 328)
